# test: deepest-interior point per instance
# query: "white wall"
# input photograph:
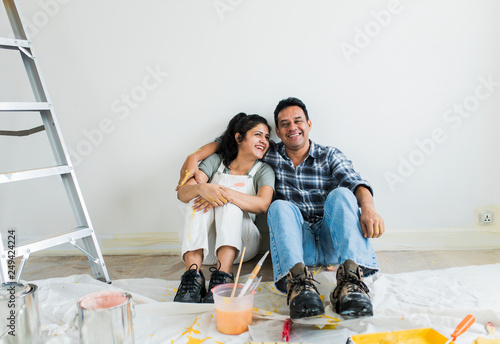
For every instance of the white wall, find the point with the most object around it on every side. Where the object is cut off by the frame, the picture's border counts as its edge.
(380, 78)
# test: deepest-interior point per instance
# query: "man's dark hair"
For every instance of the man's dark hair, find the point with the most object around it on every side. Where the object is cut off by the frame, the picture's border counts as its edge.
(290, 101)
(241, 123)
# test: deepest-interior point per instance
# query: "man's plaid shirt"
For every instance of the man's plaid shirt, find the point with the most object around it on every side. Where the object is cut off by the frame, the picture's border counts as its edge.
(308, 185)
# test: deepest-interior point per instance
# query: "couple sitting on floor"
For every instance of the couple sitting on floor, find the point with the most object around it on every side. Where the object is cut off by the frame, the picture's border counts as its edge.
(319, 212)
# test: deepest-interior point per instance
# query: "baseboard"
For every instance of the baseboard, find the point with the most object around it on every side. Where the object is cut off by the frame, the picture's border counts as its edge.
(427, 239)
(424, 239)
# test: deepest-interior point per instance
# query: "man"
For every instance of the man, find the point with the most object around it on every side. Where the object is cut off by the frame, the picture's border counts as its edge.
(323, 214)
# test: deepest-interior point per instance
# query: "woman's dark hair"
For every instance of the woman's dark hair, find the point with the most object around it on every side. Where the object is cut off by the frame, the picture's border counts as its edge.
(241, 123)
(284, 103)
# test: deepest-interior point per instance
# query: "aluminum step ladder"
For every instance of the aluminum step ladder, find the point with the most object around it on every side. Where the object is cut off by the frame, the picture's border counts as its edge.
(83, 236)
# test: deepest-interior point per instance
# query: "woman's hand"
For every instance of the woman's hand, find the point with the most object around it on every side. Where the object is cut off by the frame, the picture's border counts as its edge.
(210, 196)
(201, 204)
(253, 204)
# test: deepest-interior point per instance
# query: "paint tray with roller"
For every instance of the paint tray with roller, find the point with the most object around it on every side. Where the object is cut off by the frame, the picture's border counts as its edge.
(415, 336)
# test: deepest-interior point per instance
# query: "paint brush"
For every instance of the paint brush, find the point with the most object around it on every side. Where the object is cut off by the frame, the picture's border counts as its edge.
(490, 328)
(238, 273)
(253, 275)
(462, 327)
(255, 285)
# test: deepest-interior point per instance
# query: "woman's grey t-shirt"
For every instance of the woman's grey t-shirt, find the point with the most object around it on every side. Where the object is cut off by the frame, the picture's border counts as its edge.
(263, 176)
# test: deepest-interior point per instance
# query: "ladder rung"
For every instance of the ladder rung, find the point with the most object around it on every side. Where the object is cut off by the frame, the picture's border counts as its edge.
(35, 173)
(22, 106)
(52, 240)
(11, 43)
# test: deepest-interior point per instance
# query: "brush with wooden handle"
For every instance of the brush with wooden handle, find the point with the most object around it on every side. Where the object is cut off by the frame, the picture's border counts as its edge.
(491, 338)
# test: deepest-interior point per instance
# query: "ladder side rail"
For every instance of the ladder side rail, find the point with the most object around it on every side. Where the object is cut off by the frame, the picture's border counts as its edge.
(16, 23)
(32, 67)
(52, 128)
(57, 142)
(15, 19)
(38, 86)
(4, 272)
(74, 193)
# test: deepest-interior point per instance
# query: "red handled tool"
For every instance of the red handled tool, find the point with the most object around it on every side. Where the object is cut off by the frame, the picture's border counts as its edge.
(287, 328)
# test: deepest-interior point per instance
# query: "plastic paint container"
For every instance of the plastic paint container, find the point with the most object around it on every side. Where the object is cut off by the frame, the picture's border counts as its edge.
(233, 314)
(106, 317)
(20, 320)
(416, 336)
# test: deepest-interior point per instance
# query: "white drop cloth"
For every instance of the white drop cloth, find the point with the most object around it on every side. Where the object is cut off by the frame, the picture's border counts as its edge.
(438, 299)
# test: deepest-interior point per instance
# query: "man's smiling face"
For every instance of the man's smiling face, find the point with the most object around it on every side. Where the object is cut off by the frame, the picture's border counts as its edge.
(293, 128)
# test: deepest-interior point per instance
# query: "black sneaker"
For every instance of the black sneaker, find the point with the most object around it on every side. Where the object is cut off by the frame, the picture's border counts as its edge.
(303, 297)
(192, 288)
(350, 296)
(218, 277)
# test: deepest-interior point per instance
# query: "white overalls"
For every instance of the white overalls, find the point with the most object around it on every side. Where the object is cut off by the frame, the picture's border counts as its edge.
(226, 225)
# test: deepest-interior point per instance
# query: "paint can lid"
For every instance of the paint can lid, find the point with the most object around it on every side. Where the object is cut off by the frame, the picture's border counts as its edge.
(102, 300)
(14, 288)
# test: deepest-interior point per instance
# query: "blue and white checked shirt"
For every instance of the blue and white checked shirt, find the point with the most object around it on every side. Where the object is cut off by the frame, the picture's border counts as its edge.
(308, 185)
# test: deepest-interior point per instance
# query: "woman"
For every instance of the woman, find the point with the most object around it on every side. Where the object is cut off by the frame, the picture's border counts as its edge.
(221, 212)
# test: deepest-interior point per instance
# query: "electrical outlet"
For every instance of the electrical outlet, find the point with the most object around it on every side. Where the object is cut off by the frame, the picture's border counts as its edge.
(486, 218)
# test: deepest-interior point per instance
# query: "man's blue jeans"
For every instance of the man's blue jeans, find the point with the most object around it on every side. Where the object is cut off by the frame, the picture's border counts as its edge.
(333, 240)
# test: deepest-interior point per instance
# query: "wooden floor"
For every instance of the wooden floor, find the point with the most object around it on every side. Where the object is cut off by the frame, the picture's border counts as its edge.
(171, 267)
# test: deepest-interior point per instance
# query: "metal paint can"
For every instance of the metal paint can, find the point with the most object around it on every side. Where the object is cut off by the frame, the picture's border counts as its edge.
(19, 316)
(106, 317)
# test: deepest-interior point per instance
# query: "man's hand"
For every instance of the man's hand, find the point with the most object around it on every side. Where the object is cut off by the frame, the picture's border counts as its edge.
(189, 170)
(371, 222)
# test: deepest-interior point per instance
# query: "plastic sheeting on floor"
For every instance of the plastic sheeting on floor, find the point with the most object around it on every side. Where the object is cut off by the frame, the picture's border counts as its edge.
(439, 299)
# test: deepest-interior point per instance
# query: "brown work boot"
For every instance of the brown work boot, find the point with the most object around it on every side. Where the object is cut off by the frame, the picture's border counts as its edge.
(350, 296)
(303, 297)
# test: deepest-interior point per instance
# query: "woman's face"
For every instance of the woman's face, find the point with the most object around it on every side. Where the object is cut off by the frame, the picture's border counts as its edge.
(256, 141)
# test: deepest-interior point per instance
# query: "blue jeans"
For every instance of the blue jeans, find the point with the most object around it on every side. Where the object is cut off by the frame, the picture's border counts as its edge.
(332, 240)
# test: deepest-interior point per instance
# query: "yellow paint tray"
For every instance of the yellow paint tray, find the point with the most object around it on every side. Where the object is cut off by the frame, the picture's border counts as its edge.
(416, 336)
